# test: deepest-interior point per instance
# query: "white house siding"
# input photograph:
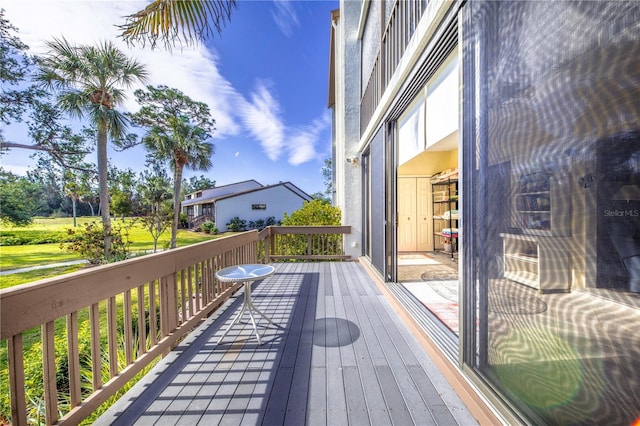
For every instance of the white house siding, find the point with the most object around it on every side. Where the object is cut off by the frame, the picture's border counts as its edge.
(278, 200)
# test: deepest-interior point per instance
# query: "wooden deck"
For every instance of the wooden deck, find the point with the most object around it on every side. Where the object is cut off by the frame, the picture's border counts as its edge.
(339, 356)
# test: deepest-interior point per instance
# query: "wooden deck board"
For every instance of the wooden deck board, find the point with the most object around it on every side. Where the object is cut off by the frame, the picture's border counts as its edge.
(371, 388)
(338, 355)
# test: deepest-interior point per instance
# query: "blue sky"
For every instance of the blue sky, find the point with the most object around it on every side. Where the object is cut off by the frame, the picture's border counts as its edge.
(264, 78)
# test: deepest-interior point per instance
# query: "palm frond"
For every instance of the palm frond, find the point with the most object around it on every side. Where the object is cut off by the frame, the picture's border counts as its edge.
(176, 21)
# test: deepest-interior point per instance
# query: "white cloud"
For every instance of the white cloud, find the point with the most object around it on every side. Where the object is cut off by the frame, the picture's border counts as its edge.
(302, 142)
(285, 17)
(261, 116)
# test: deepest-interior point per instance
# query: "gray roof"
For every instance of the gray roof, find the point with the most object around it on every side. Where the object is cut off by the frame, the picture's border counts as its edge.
(210, 197)
(220, 191)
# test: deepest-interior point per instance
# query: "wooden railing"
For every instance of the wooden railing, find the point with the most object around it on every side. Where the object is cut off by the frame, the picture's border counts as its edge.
(302, 243)
(136, 311)
(141, 307)
(401, 25)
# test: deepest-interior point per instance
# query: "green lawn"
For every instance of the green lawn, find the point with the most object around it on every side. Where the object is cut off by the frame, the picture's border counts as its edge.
(33, 253)
(23, 256)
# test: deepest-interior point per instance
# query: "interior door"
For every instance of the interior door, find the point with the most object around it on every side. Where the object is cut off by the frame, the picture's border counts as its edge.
(407, 221)
(424, 235)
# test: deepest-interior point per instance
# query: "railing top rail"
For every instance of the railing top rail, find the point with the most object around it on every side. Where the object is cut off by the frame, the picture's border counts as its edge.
(322, 229)
(45, 300)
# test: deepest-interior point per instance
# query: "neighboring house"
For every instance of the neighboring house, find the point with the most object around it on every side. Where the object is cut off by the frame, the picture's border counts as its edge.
(523, 118)
(248, 200)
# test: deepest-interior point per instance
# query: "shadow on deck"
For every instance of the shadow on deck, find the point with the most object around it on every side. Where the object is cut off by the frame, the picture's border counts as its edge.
(339, 356)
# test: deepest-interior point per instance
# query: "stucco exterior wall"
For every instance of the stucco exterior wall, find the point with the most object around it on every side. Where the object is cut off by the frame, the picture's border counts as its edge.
(349, 175)
(278, 200)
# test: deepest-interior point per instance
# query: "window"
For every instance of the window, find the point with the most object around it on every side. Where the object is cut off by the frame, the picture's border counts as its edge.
(258, 206)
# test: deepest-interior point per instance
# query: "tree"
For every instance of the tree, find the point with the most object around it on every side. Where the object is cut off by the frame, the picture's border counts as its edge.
(48, 176)
(178, 128)
(90, 81)
(327, 177)
(172, 21)
(155, 192)
(194, 184)
(18, 199)
(122, 184)
(19, 95)
(14, 68)
(73, 189)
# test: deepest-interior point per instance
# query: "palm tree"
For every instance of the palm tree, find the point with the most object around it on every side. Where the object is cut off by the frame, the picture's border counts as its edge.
(183, 145)
(90, 80)
(172, 20)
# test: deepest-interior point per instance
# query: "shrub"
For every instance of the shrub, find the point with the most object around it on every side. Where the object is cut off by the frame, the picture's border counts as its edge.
(183, 221)
(26, 237)
(271, 221)
(89, 243)
(209, 227)
(314, 212)
(236, 224)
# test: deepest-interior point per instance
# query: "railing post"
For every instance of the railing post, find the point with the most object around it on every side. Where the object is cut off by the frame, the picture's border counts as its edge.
(168, 304)
(49, 373)
(268, 246)
(16, 381)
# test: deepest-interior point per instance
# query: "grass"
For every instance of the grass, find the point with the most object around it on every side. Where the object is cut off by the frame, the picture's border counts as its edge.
(43, 229)
(23, 256)
(11, 280)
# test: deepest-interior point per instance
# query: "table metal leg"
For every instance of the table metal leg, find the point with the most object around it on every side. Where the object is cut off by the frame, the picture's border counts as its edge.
(248, 305)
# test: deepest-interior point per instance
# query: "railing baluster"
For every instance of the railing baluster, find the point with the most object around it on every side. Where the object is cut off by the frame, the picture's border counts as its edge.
(49, 373)
(210, 283)
(198, 277)
(183, 295)
(205, 283)
(190, 290)
(397, 34)
(216, 283)
(128, 328)
(153, 314)
(73, 359)
(142, 326)
(96, 358)
(112, 336)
